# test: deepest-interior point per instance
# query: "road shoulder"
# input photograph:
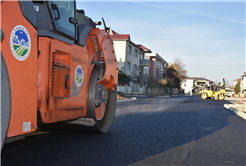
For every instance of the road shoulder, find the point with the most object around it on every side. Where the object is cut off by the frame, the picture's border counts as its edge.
(237, 106)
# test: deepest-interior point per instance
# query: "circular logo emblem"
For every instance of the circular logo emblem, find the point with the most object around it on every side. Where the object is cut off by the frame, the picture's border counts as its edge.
(79, 75)
(20, 43)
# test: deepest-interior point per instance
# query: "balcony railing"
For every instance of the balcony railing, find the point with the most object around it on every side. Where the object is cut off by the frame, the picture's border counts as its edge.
(144, 62)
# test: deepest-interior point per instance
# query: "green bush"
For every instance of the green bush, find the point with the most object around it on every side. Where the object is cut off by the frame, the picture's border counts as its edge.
(123, 78)
(237, 88)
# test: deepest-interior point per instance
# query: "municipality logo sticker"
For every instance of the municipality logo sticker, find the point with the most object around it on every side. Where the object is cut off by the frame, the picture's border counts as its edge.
(79, 75)
(20, 43)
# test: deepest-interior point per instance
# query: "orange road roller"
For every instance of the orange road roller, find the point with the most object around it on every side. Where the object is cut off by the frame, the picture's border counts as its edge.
(56, 66)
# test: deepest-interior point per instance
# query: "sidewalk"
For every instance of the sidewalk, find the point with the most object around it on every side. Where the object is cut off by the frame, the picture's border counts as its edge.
(236, 107)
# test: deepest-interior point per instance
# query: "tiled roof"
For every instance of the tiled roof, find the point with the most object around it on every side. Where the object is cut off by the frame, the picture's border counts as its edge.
(141, 46)
(146, 50)
(115, 36)
(127, 36)
(239, 79)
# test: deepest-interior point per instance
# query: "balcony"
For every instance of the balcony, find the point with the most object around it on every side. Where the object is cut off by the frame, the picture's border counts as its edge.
(144, 62)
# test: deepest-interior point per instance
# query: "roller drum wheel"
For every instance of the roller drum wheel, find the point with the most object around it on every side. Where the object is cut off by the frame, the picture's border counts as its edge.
(204, 96)
(5, 101)
(106, 101)
(221, 97)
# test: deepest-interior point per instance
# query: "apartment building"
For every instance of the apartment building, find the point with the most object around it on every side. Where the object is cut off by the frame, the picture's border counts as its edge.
(157, 64)
(187, 84)
(243, 83)
(128, 54)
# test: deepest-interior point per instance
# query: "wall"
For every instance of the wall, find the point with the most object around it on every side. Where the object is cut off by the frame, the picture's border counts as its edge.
(128, 90)
(156, 92)
(130, 57)
(120, 52)
(189, 85)
(144, 91)
(243, 85)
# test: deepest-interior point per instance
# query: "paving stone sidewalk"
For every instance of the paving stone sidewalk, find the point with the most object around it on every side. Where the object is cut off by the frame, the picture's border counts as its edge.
(238, 106)
(235, 103)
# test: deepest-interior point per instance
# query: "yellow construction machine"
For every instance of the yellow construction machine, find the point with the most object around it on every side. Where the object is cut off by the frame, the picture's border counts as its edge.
(214, 92)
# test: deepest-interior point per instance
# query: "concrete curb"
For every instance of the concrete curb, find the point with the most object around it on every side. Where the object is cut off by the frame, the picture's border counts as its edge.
(239, 113)
(121, 101)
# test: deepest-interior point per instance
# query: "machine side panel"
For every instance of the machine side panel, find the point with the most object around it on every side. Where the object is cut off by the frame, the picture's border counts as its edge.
(19, 48)
(62, 78)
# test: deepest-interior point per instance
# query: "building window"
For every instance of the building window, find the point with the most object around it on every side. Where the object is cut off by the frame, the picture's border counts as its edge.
(157, 73)
(142, 56)
(136, 53)
(129, 66)
(129, 49)
(135, 67)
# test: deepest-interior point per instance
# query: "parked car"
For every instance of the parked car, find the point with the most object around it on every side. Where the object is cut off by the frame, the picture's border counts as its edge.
(229, 92)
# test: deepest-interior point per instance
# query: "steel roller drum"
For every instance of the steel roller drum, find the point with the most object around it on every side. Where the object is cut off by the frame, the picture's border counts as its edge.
(5, 101)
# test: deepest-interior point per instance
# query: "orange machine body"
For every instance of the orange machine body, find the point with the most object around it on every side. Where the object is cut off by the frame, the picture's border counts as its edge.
(38, 84)
(23, 74)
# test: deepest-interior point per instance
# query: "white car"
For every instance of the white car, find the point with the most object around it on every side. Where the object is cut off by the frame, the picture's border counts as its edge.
(229, 92)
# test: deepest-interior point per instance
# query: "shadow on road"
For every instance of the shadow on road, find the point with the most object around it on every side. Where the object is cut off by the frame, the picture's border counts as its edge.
(132, 138)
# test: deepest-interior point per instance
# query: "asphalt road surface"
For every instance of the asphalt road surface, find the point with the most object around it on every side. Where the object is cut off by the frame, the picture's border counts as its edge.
(181, 130)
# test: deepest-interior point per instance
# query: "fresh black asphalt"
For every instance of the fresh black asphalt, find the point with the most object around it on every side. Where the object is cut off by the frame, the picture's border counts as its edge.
(181, 130)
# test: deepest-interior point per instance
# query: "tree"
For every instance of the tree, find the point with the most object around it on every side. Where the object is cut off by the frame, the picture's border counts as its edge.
(153, 82)
(140, 76)
(173, 78)
(164, 82)
(123, 78)
(179, 66)
(176, 72)
(237, 87)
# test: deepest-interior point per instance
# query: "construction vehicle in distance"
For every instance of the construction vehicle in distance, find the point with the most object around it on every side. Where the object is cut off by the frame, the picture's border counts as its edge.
(56, 66)
(214, 92)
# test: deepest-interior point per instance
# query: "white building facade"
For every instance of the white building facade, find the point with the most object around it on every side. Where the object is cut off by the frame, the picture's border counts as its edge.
(243, 83)
(128, 54)
(187, 84)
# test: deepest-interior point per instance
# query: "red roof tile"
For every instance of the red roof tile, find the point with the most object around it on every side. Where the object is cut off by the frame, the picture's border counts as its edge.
(116, 36)
(127, 36)
(141, 46)
(239, 79)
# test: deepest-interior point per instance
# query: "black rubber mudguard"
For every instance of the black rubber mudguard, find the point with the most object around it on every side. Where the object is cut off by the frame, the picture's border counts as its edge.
(5, 101)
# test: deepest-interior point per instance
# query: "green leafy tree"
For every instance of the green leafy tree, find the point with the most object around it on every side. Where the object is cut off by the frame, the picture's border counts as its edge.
(237, 87)
(123, 78)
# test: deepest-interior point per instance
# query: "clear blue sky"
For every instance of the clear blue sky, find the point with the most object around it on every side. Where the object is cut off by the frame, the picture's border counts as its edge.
(208, 36)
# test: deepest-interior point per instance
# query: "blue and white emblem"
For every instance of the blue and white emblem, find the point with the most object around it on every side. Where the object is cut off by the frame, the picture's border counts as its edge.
(20, 43)
(79, 75)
